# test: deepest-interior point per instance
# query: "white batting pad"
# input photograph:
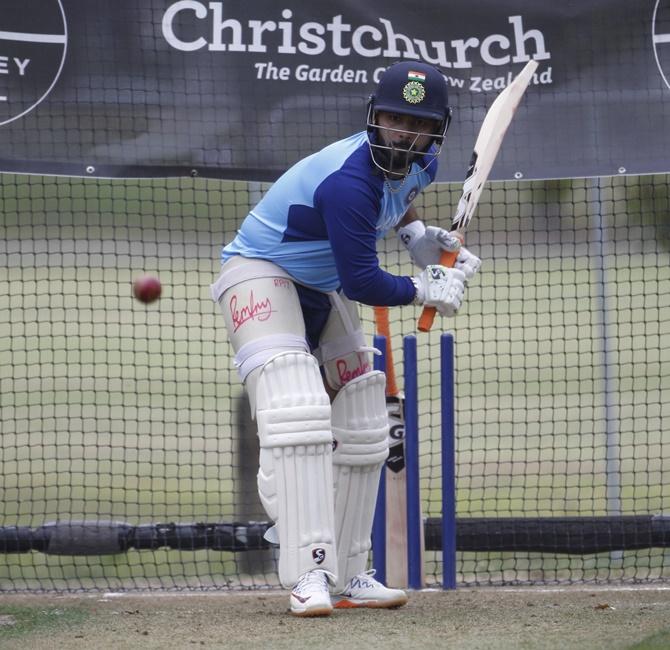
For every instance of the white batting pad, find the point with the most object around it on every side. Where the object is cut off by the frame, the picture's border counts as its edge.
(295, 479)
(360, 430)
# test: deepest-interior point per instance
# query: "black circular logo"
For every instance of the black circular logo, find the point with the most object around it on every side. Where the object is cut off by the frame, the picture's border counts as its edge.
(34, 42)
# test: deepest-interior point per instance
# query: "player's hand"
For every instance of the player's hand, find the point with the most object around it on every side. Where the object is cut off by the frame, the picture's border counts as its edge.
(440, 287)
(425, 246)
(468, 263)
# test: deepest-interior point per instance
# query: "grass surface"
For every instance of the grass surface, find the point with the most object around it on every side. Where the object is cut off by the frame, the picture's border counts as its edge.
(20, 621)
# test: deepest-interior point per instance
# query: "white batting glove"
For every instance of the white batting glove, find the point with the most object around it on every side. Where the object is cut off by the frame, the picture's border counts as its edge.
(440, 287)
(425, 246)
(468, 263)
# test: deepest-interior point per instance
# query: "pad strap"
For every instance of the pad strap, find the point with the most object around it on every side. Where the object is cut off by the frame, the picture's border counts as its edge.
(258, 352)
(340, 347)
(240, 270)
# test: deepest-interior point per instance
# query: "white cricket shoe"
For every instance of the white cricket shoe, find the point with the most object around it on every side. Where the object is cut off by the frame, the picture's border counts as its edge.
(311, 595)
(364, 591)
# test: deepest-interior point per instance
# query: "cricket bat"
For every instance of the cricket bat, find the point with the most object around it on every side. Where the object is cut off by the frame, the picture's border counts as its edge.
(396, 474)
(487, 145)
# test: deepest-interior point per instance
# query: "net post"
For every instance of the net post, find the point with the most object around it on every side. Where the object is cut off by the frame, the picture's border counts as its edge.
(447, 405)
(414, 522)
(379, 520)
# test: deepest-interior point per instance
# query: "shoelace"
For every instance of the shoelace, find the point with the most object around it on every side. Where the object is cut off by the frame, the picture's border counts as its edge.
(365, 577)
(316, 578)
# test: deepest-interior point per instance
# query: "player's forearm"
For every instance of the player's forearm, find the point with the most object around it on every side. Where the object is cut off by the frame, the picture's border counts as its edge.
(361, 277)
(379, 288)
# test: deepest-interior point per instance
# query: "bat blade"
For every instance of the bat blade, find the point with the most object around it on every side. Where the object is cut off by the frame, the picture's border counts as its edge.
(487, 145)
(396, 496)
(396, 471)
(490, 137)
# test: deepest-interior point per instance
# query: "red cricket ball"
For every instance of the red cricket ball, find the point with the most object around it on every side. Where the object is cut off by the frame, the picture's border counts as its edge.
(147, 288)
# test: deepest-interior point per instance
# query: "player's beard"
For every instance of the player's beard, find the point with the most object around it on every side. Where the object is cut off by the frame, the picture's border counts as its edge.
(396, 162)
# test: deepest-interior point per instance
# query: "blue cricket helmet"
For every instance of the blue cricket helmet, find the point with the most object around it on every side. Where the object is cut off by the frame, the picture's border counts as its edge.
(408, 88)
(412, 88)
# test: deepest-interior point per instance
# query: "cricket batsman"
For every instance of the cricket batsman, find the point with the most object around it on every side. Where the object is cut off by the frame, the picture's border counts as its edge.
(289, 289)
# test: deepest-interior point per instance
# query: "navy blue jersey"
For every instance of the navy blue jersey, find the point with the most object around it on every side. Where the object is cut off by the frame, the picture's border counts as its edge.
(320, 222)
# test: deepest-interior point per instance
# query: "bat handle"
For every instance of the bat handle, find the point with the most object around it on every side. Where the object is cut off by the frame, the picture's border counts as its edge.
(384, 328)
(428, 314)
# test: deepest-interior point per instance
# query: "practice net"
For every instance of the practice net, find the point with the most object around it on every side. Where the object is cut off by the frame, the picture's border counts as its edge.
(131, 415)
